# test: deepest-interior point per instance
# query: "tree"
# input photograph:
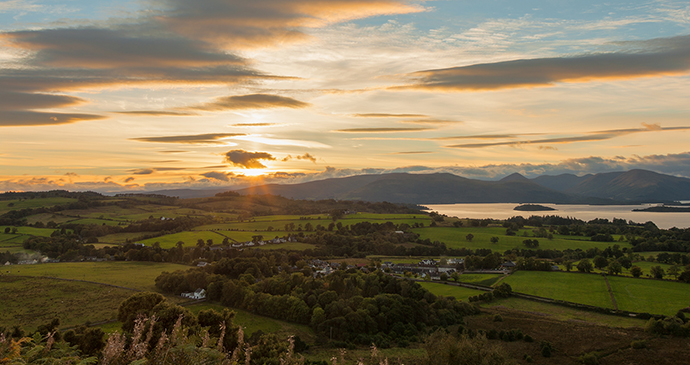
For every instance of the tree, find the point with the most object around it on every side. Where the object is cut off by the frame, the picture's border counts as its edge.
(455, 276)
(615, 268)
(200, 243)
(568, 265)
(657, 272)
(494, 239)
(636, 271)
(625, 262)
(674, 271)
(138, 303)
(600, 262)
(7, 229)
(469, 237)
(584, 266)
(443, 276)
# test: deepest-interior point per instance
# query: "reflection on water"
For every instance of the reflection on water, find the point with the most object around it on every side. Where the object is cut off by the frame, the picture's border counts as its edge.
(584, 212)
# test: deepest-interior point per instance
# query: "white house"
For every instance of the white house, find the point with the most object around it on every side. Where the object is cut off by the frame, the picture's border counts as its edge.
(196, 295)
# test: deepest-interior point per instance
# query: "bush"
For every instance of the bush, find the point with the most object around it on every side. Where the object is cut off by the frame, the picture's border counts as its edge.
(589, 359)
(638, 345)
(528, 338)
(546, 348)
(498, 318)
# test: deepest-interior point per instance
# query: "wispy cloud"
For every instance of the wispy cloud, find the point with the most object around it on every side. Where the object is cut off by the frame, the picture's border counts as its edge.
(306, 156)
(382, 130)
(659, 57)
(253, 101)
(156, 113)
(210, 138)
(388, 115)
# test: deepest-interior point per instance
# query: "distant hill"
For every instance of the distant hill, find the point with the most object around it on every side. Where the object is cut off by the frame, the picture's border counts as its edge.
(419, 189)
(606, 188)
(561, 182)
(634, 185)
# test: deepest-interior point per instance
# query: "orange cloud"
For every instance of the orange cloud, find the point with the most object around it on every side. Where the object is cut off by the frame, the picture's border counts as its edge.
(253, 101)
(670, 56)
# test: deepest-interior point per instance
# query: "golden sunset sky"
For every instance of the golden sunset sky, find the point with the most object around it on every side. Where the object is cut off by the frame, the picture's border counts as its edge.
(118, 96)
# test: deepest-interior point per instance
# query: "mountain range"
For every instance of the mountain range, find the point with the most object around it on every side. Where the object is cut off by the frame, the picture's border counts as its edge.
(634, 186)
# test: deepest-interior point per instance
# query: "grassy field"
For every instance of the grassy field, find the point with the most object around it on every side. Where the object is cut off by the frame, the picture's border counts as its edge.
(564, 313)
(650, 296)
(573, 287)
(251, 322)
(481, 279)
(30, 302)
(456, 238)
(122, 237)
(136, 275)
(7, 205)
(31, 231)
(446, 290)
(293, 246)
(189, 238)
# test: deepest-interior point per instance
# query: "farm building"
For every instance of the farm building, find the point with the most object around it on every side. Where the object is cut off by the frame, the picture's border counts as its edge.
(197, 294)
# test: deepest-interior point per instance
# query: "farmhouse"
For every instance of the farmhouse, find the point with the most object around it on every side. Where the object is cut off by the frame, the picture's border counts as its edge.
(197, 294)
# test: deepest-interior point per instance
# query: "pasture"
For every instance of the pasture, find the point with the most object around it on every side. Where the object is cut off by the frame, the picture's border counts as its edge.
(251, 322)
(573, 287)
(7, 205)
(480, 279)
(129, 274)
(456, 238)
(563, 313)
(650, 296)
(447, 290)
(30, 302)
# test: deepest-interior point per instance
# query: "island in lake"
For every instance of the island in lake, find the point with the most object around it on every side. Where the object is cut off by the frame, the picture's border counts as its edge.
(664, 209)
(532, 208)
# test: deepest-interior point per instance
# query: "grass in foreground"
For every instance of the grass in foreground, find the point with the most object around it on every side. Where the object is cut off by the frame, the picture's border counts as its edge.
(30, 302)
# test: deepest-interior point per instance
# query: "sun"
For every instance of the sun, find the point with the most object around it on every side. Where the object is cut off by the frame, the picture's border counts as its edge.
(255, 172)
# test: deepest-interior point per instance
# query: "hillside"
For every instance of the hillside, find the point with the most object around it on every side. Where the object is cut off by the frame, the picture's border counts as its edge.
(634, 185)
(419, 188)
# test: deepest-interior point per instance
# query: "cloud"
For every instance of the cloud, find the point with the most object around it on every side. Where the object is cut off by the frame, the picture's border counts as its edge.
(253, 101)
(382, 130)
(432, 121)
(156, 113)
(306, 156)
(31, 118)
(388, 115)
(129, 179)
(590, 137)
(248, 160)
(411, 153)
(210, 138)
(265, 23)
(658, 57)
(216, 175)
(253, 125)
(143, 171)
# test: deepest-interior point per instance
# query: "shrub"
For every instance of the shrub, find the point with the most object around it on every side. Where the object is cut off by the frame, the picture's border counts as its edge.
(638, 345)
(498, 318)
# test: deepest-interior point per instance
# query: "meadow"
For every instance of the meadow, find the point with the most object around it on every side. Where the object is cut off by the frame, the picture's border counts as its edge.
(650, 296)
(129, 274)
(448, 290)
(31, 302)
(456, 238)
(573, 287)
(7, 205)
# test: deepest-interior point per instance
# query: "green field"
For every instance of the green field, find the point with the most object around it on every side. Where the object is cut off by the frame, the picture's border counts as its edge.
(563, 313)
(481, 279)
(650, 296)
(189, 238)
(291, 246)
(30, 302)
(136, 275)
(573, 287)
(32, 203)
(251, 322)
(448, 290)
(31, 231)
(456, 238)
(121, 238)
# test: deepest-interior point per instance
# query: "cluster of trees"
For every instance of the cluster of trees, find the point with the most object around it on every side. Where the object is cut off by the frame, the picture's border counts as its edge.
(348, 306)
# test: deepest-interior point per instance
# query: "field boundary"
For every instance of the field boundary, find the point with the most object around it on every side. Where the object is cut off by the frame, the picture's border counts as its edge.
(613, 298)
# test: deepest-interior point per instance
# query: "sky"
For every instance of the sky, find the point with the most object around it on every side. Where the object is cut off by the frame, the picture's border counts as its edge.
(134, 96)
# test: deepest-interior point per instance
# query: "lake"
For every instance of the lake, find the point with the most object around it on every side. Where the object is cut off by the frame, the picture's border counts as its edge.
(584, 212)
